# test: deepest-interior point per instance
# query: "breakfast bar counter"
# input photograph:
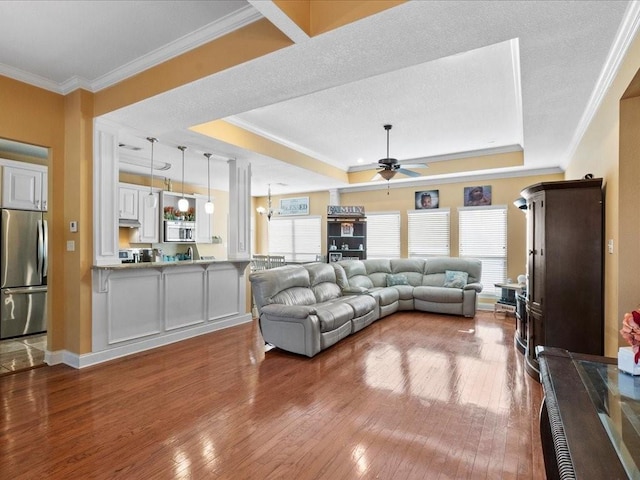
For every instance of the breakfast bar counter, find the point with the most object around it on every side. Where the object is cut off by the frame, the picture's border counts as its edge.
(137, 306)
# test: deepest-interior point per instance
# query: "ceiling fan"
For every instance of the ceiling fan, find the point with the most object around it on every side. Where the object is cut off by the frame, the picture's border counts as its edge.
(390, 166)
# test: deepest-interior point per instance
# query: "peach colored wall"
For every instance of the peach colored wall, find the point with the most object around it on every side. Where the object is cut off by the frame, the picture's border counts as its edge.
(504, 192)
(601, 152)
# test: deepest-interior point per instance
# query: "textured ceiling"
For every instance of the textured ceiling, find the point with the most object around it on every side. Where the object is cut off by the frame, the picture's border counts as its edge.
(452, 77)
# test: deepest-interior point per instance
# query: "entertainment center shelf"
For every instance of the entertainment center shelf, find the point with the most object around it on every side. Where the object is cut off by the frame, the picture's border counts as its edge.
(346, 238)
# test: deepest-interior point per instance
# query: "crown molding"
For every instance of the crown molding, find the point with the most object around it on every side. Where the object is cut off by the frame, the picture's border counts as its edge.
(217, 29)
(624, 37)
(199, 37)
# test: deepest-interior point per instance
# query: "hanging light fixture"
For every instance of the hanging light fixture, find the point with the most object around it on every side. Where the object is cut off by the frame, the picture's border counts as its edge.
(183, 203)
(151, 200)
(208, 207)
(269, 210)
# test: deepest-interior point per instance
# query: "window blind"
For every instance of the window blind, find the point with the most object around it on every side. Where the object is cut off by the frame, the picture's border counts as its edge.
(483, 235)
(298, 239)
(429, 232)
(383, 235)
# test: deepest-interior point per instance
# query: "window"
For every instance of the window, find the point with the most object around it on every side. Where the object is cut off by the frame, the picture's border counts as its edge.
(483, 235)
(298, 239)
(383, 235)
(429, 233)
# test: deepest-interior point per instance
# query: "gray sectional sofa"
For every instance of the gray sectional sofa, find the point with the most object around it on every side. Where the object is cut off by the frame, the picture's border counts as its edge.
(306, 308)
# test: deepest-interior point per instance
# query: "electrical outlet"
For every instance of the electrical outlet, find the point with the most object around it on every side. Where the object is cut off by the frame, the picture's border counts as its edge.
(610, 245)
(71, 246)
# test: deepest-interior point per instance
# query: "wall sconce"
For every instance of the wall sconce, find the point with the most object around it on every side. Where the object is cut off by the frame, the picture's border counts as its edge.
(269, 210)
(183, 203)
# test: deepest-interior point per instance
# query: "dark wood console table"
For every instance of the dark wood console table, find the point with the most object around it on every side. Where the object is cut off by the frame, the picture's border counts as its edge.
(590, 417)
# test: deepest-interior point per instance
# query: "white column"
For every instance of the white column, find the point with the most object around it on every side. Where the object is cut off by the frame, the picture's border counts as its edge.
(334, 196)
(239, 246)
(105, 194)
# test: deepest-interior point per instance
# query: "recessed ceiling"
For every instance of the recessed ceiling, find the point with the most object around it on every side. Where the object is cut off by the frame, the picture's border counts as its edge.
(453, 78)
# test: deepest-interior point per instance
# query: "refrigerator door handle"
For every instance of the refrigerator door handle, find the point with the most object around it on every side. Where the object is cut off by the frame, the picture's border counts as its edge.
(40, 244)
(17, 291)
(45, 249)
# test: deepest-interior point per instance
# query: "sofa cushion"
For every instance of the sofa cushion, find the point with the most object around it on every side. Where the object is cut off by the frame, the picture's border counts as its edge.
(294, 296)
(385, 295)
(412, 268)
(438, 294)
(455, 279)
(396, 279)
(361, 304)
(333, 315)
(377, 270)
(322, 278)
(356, 273)
(272, 286)
(405, 292)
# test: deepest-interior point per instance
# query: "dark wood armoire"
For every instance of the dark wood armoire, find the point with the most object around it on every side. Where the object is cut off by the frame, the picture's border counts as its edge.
(565, 249)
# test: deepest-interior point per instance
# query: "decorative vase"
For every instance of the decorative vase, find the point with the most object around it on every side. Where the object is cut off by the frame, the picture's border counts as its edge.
(626, 361)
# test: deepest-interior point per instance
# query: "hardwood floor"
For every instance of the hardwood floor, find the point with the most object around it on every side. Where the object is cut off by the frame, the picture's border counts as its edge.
(413, 396)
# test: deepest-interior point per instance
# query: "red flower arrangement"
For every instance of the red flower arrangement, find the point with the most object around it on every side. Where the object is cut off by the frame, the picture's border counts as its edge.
(631, 332)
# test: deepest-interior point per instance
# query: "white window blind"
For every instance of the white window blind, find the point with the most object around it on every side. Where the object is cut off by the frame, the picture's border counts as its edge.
(383, 235)
(298, 239)
(429, 232)
(483, 235)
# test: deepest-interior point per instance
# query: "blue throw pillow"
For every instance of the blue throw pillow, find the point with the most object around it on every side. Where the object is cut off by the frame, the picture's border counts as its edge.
(397, 279)
(455, 279)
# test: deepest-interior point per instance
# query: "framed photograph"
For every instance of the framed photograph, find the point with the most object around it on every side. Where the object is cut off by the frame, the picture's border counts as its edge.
(346, 229)
(335, 256)
(294, 206)
(477, 196)
(427, 199)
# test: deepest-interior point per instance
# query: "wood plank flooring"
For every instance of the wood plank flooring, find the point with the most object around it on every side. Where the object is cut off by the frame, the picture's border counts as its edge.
(413, 396)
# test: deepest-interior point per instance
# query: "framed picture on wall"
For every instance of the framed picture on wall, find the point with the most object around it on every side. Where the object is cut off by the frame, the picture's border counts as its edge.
(477, 196)
(335, 256)
(427, 199)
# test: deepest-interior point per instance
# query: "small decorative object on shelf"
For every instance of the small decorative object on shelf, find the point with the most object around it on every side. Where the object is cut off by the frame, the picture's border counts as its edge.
(628, 356)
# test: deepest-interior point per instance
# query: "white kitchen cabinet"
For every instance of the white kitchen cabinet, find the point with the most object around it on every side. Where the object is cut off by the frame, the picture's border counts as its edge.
(24, 188)
(128, 202)
(204, 222)
(149, 218)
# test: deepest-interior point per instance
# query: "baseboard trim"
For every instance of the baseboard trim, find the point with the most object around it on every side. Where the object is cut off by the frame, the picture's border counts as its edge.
(94, 358)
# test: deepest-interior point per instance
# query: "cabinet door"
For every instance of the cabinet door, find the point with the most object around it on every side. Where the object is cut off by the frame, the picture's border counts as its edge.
(536, 265)
(149, 219)
(128, 202)
(21, 189)
(204, 222)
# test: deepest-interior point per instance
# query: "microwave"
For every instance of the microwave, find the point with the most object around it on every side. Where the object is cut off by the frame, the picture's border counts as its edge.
(179, 231)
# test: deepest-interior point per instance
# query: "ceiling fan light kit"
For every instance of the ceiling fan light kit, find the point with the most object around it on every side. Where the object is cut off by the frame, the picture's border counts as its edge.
(390, 166)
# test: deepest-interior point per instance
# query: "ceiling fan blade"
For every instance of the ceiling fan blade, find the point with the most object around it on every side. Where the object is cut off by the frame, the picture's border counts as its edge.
(408, 173)
(414, 165)
(376, 177)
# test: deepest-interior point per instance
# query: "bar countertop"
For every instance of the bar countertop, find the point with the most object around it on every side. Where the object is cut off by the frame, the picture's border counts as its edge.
(177, 263)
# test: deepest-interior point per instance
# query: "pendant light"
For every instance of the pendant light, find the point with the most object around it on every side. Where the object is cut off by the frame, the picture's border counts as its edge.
(183, 203)
(208, 207)
(151, 201)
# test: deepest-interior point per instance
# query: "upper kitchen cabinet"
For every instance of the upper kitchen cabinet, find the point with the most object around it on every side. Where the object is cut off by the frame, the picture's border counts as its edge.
(24, 187)
(149, 230)
(128, 202)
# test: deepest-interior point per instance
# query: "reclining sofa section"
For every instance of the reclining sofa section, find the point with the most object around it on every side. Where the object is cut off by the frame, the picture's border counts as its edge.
(306, 308)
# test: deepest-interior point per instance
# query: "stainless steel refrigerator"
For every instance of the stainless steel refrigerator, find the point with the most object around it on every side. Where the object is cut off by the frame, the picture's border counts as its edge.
(23, 273)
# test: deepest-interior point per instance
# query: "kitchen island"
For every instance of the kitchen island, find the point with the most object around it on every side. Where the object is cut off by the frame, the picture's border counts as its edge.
(138, 306)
